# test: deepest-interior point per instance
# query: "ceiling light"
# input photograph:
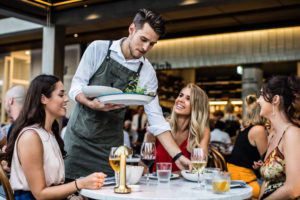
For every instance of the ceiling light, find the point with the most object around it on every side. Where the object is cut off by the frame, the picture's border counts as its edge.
(189, 2)
(92, 17)
(75, 35)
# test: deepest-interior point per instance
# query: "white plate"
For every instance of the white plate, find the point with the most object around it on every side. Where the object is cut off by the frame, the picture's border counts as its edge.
(154, 176)
(189, 176)
(96, 90)
(126, 99)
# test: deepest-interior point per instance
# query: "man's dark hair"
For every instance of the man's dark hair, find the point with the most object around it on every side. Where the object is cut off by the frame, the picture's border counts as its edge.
(154, 19)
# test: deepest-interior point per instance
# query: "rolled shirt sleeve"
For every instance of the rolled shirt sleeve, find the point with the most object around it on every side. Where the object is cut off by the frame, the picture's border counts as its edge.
(89, 63)
(157, 122)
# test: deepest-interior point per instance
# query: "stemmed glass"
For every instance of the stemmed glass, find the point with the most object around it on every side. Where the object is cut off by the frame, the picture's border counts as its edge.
(199, 160)
(148, 155)
(114, 162)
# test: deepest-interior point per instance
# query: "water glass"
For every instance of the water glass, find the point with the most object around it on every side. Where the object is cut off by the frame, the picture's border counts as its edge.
(164, 171)
(221, 182)
(208, 174)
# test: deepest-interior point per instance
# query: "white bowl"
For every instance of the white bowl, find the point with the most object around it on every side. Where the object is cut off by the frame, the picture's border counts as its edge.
(133, 174)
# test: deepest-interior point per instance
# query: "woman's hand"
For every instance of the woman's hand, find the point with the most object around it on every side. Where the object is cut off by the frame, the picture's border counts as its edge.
(93, 181)
(257, 165)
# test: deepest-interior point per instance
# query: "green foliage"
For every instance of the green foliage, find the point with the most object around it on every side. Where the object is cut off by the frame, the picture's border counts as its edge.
(134, 88)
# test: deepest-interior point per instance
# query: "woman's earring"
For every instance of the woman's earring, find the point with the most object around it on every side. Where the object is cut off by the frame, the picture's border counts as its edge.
(273, 110)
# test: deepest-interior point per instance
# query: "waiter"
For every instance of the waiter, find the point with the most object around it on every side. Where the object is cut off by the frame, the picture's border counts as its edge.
(95, 127)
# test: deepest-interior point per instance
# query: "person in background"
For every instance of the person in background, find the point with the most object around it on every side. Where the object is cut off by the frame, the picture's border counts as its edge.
(250, 145)
(127, 134)
(232, 125)
(95, 127)
(14, 100)
(218, 115)
(139, 121)
(189, 123)
(280, 104)
(218, 134)
(35, 150)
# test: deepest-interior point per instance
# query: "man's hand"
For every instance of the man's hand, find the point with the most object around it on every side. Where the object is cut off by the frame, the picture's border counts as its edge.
(95, 104)
(183, 163)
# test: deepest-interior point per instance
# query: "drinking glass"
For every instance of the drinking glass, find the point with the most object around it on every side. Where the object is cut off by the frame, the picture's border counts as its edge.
(148, 155)
(221, 182)
(114, 162)
(198, 160)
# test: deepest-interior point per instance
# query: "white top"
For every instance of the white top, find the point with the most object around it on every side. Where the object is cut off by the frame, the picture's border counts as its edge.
(126, 139)
(219, 136)
(52, 162)
(176, 189)
(92, 60)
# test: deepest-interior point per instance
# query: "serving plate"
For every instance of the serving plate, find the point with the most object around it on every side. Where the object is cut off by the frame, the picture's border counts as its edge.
(97, 90)
(125, 98)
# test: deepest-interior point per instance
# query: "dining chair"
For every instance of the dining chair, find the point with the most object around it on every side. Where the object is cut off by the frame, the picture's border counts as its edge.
(216, 159)
(6, 185)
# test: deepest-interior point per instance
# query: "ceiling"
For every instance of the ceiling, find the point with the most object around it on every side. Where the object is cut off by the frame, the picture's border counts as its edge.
(109, 19)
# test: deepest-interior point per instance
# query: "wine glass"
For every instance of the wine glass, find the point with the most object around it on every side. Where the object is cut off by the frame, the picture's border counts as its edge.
(114, 162)
(198, 160)
(148, 155)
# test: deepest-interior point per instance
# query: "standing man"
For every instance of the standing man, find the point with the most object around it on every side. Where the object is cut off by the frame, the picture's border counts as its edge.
(95, 127)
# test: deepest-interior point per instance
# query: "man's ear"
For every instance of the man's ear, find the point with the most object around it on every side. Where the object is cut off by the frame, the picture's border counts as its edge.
(131, 28)
(11, 101)
(44, 99)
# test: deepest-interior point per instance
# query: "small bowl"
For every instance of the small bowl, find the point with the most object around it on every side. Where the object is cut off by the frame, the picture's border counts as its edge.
(133, 174)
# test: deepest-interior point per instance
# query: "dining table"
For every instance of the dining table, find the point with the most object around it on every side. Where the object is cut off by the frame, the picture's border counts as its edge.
(179, 188)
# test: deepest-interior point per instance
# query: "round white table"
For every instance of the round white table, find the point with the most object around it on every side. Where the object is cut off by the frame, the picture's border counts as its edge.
(176, 189)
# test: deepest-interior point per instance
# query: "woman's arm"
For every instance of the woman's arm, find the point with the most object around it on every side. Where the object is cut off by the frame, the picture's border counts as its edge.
(262, 189)
(30, 151)
(291, 151)
(258, 137)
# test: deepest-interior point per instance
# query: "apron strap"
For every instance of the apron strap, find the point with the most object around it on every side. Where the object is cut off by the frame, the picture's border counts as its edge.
(108, 50)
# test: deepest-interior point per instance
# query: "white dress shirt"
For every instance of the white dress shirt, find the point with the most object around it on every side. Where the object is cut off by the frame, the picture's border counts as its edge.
(219, 136)
(92, 60)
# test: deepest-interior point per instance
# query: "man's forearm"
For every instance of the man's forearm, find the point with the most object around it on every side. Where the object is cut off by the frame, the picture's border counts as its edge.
(168, 142)
(81, 98)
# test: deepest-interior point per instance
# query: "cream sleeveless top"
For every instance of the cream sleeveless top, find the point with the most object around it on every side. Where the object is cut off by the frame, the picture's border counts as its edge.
(53, 163)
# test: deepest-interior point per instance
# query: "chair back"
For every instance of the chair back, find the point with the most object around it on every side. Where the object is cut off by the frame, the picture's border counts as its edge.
(216, 159)
(6, 185)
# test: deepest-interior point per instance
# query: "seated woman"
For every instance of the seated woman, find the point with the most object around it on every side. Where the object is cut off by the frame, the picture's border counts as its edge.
(35, 150)
(189, 124)
(250, 145)
(280, 103)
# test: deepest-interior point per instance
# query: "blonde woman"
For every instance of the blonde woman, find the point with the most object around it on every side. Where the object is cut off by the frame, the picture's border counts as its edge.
(189, 123)
(250, 145)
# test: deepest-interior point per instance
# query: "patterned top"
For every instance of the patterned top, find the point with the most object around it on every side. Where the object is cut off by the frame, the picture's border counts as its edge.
(273, 171)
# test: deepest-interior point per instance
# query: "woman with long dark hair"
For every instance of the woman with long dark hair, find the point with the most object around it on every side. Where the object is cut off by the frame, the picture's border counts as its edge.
(280, 103)
(35, 151)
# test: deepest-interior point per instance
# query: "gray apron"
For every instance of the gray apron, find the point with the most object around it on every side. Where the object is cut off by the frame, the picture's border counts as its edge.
(90, 134)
